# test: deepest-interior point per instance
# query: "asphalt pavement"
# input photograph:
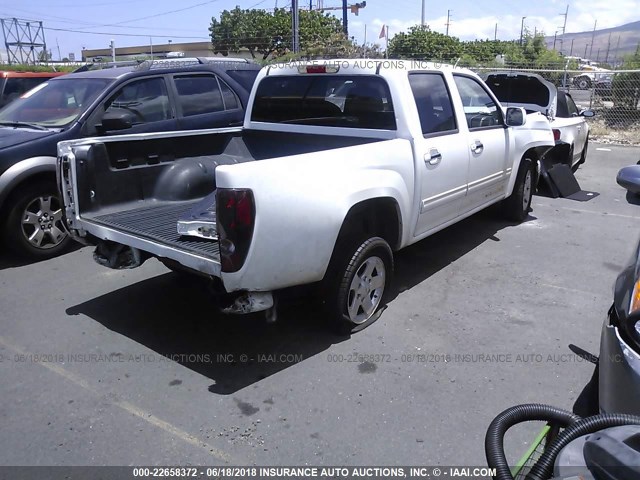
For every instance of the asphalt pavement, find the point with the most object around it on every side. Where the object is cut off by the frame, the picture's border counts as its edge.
(102, 367)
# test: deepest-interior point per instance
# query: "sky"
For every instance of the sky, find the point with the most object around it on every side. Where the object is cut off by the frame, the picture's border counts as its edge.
(133, 22)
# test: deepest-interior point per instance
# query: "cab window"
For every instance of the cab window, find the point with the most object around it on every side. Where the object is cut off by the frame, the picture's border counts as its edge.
(145, 100)
(479, 108)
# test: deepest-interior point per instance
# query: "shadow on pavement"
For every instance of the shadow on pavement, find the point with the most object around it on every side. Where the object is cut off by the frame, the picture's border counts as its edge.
(8, 259)
(176, 316)
(421, 260)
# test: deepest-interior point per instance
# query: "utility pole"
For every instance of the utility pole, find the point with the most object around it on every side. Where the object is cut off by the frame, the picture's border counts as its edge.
(593, 36)
(617, 50)
(495, 33)
(423, 13)
(522, 30)
(448, 21)
(365, 41)
(113, 51)
(564, 27)
(58, 45)
(295, 26)
(345, 26)
(151, 47)
(555, 35)
(585, 50)
(606, 59)
(598, 56)
(571, 51)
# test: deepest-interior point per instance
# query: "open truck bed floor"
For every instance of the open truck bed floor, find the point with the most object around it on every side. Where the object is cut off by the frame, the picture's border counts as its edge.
(158, 223)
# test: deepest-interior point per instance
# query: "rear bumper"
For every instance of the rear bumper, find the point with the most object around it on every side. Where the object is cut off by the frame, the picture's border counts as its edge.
(203, 264)
(619, 376)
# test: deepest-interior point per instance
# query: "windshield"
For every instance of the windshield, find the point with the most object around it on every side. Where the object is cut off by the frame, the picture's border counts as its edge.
(54, 104)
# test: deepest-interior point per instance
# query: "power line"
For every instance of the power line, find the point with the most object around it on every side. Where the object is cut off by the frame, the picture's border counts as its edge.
(123, 34)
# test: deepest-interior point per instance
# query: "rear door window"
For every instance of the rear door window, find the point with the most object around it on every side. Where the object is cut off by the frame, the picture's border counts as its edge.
(352, 101)
(198, 94)
(433, 103)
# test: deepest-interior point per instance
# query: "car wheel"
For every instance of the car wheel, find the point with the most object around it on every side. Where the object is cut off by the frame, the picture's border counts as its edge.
(359, 279)
(583, 83)
(35, 227)
(517, 206)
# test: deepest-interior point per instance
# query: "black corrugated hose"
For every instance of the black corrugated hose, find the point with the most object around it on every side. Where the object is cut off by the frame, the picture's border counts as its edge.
(543, 469)
(494, 440)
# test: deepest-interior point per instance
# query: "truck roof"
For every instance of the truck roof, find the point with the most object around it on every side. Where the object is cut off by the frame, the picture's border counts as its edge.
(353, 66)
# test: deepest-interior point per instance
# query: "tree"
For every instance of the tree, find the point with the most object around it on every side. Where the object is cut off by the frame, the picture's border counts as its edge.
(267, 33)
(422, 43)
(626, 86)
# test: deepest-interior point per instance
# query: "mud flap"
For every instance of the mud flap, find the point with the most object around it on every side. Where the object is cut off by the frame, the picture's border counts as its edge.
(118, 256)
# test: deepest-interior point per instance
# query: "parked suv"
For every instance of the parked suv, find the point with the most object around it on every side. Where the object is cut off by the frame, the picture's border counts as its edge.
(151, 97)
(14, 84)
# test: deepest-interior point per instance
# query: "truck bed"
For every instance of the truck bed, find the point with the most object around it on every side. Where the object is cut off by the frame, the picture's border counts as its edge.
(158, 223)
(133, 191)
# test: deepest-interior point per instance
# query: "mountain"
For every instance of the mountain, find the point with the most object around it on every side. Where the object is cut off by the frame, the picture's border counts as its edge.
(609, 44)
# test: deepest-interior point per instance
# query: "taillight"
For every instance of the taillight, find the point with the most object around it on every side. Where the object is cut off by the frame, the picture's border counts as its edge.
(235, 214)
(635, 299)
(318, 68)
(556, 134)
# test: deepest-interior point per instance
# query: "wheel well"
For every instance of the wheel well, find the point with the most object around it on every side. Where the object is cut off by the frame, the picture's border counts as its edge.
(36, 177)
(378, 217)
(535, 154)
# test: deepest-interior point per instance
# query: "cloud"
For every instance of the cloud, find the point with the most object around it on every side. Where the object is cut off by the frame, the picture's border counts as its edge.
(581, 17)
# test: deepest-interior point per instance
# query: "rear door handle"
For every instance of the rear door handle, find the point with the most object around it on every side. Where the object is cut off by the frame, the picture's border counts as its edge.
(477, 147)
(433, 157)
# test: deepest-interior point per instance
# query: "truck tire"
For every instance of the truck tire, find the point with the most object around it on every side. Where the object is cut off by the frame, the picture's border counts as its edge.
(517, 206)
(360, 276)
(35, 228)
(583, 83)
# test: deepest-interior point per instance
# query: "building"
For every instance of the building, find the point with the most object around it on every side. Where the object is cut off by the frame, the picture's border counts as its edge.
(165, 50)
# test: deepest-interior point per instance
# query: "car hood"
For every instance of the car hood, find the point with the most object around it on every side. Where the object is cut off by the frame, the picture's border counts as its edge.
(527, 90)
(10, 136)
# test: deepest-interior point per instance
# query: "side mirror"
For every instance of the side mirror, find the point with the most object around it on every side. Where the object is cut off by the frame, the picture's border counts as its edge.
(115, 121)
(587, 113)
(515, 116)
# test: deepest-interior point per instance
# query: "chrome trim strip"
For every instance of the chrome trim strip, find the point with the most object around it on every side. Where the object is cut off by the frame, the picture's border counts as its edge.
(436, 200)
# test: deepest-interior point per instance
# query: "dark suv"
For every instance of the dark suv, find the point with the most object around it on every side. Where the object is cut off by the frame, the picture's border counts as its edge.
(153, 96)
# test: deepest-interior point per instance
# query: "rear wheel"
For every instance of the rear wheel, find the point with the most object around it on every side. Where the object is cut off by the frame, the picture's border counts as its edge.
(583, 83)
(358, 280)
(517, 206)
(35, 227)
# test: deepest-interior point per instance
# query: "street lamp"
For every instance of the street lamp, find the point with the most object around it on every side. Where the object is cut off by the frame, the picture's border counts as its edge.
(522, 30)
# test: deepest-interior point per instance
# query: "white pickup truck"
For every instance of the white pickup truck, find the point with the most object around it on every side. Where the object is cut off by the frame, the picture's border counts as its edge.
(338, 165)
